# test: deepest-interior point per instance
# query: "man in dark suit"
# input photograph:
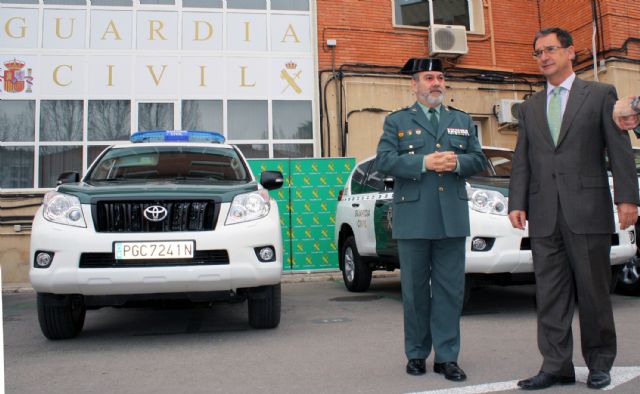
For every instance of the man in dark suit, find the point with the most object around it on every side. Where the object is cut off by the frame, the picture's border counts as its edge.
(560, 184)
(430, 148)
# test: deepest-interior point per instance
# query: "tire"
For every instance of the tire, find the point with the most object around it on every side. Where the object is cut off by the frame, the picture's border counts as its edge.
(628, 280)
(264, 307)
(61, 316)
(355, 273)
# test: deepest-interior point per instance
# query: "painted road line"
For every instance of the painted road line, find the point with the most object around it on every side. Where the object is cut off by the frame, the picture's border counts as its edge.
(619, 375)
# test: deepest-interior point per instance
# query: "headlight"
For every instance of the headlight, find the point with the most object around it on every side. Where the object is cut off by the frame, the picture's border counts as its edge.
(249, 206)
(487, 201)
(64, 209)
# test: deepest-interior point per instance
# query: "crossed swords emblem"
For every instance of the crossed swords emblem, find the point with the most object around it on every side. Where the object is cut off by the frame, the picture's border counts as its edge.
(291, 80)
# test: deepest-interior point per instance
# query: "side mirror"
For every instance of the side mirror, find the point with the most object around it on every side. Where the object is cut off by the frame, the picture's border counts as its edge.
(68, 177)
(388, 182)
(271, 180)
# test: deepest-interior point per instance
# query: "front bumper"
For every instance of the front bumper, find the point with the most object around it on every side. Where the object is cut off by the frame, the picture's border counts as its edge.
(511, 252)
(239, 240)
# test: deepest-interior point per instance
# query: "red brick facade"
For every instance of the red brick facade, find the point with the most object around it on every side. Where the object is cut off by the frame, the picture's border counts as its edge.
(365, 33)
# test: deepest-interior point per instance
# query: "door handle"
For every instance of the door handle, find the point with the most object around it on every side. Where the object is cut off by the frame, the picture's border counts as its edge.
(355, 205)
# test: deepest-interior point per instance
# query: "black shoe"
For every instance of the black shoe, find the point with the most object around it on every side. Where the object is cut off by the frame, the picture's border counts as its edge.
(598, 379)
(451, 371)
(543, 380)
(416, 366)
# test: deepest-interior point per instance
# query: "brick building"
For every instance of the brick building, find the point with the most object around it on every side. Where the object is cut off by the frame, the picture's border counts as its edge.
(374, 38)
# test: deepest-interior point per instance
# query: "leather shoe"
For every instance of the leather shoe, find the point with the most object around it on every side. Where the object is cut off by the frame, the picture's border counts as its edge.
(598, 379)
(416, 366)
(451, 371)
(543, 380)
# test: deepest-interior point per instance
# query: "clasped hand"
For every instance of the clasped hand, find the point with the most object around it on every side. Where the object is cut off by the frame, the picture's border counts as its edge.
(441, 161)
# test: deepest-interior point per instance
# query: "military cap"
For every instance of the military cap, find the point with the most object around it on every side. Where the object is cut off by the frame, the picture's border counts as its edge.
(418, 64)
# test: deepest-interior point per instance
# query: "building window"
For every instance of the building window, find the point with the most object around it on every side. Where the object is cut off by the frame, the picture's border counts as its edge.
(254, 151)
(154, 2)
(424, 13)
(202, 3)
(290, 5)
(292, 150)
(113, 3)
(155, 116)
(202, 115)
(54, 160)
(248, 120)
(292, 120)
(109, 120)
(61, 120)
(247, 4)
(16, 167)
(17, 120)
(19, 1)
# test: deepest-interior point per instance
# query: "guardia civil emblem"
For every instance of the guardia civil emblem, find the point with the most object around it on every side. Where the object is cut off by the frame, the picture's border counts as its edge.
(16, 78)
(290, 75)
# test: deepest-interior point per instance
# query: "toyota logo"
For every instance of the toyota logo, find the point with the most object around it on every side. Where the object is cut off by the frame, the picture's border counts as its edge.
(155, 213)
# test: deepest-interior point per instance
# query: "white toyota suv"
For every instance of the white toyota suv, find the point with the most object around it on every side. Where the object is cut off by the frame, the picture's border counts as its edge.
(496, 253)
(171, 216)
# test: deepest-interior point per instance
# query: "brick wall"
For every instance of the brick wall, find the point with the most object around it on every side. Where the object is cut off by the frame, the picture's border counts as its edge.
(365, 32)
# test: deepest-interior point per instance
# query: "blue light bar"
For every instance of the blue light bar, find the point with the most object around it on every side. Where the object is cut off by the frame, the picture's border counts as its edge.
(177, 136)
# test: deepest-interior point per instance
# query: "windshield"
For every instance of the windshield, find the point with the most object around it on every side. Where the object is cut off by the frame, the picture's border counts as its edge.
(168, 163)
(499, 163)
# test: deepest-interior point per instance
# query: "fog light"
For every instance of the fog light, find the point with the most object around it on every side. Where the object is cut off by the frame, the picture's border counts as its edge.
(478, 244)
(265, 253)
(43, 259)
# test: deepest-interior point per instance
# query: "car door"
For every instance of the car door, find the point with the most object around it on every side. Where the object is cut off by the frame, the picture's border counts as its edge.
(382, 212)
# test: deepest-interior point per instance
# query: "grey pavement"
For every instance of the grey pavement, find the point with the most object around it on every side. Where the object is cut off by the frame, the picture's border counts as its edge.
(329, 341)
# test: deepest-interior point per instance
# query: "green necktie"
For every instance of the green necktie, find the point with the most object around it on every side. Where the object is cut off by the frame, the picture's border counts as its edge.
(433, 117)
(554, 114)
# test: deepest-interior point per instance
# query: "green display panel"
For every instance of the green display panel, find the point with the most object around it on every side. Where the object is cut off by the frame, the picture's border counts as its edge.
(307, 204)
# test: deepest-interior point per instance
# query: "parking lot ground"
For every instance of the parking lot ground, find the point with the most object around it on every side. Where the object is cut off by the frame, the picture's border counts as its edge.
(329, 341)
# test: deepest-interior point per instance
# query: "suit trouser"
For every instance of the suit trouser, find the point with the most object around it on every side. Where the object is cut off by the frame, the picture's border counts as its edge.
(573, 267)
(432, 276)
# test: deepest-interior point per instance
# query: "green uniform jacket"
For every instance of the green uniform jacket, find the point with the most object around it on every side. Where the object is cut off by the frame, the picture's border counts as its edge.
(429, 205)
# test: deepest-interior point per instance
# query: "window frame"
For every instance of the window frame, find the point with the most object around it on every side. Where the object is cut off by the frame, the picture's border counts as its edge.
(476, 17)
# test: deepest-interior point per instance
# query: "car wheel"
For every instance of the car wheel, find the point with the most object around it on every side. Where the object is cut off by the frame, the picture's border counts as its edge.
(61, 316)
(264, 307)
(356, 273)
(628, 278)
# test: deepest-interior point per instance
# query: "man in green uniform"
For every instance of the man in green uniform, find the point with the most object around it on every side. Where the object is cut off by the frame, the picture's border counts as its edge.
(430, 148)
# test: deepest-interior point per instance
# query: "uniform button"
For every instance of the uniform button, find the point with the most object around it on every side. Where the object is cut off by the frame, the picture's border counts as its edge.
(411, 152)
(438, 145)
(402, 198)
(441, 189)
(460, 145)
(440, 174)
(410, 146)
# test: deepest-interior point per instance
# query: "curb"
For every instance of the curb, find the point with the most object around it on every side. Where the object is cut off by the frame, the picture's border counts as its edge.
(287, 277)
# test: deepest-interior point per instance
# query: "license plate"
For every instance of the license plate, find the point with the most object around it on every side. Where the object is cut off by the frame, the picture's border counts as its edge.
(154, 250)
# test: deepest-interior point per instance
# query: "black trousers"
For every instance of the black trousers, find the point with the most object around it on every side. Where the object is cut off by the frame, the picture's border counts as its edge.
(572, 268)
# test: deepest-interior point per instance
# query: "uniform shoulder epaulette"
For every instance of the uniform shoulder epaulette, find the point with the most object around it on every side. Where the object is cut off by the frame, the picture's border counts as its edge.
(455, 109)
(400, 109)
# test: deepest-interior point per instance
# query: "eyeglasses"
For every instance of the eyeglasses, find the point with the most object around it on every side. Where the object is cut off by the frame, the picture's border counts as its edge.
(550, 50)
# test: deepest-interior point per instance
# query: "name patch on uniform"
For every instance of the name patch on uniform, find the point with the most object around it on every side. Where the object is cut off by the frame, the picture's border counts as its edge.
(453, 131)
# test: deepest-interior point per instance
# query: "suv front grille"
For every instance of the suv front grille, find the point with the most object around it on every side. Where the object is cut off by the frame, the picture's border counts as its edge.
(128, 216)
(107, 260)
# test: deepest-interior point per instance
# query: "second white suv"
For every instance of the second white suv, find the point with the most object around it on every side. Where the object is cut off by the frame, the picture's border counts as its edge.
(495, 251)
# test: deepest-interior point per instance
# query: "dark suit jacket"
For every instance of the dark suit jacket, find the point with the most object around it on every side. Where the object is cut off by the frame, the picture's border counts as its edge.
(574, 172)
(428, 205)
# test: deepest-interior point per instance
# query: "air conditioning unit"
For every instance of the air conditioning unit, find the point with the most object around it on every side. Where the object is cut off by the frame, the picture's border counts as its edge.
(447, 41)
(507, 111)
